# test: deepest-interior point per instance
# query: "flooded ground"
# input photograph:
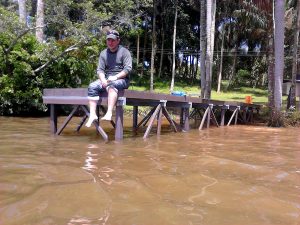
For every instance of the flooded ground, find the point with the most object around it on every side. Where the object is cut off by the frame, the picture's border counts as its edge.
(238, 175)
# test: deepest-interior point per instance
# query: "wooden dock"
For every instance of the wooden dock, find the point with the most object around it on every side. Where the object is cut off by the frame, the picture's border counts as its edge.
(190, 107)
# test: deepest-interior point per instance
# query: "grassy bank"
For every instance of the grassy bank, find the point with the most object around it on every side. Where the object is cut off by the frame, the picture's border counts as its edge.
(259, 95)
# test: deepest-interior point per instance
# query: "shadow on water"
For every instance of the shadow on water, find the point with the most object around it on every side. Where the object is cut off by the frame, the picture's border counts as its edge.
(228, 175)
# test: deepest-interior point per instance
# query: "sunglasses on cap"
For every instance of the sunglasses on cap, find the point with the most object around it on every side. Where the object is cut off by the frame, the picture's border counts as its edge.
(113, 33)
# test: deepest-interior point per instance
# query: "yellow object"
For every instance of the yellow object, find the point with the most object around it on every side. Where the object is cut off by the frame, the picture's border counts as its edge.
(248, 99)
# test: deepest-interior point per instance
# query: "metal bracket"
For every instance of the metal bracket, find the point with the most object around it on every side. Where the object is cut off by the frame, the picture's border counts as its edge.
(163, 102)
(121, 101)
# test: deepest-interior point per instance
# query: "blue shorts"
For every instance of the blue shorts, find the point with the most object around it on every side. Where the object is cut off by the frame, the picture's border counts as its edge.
(95, 88)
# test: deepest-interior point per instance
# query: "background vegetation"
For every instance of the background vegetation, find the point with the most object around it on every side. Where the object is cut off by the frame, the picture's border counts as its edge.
(62, 50)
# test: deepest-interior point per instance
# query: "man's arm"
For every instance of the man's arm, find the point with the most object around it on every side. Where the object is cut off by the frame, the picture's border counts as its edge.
(102, 79)
(101, 69)
(120, 75)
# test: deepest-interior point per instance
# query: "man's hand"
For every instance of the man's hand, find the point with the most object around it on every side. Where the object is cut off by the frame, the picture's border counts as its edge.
(104, 83)
(112, 78)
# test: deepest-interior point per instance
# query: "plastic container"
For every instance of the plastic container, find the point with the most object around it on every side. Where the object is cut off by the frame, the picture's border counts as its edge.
(248, 99)
(178, 93)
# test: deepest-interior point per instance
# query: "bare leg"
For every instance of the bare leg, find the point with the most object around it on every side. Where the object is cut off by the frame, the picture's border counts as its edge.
(93, 116)
(111, 102)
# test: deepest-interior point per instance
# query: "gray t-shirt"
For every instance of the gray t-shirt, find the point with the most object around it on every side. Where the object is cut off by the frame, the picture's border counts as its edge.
(111, 63)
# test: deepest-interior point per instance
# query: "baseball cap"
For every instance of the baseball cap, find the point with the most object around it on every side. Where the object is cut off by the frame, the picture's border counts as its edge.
(113, 34)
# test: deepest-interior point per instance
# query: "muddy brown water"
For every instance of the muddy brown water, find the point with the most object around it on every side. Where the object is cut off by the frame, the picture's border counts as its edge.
(238, 175)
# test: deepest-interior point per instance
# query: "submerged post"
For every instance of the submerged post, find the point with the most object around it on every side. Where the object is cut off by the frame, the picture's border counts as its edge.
(53, 118)
(119, 118)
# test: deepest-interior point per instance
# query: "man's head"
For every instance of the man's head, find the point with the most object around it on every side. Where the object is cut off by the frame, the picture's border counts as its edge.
(112, 40)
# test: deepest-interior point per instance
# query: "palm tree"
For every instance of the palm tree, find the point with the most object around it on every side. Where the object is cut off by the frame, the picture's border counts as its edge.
(279, 11)
(154, 44)
(39, 33)
(295, 57)
(203, 46)
(210, 31)
(174, 45)
(22, 11)
(223, 30)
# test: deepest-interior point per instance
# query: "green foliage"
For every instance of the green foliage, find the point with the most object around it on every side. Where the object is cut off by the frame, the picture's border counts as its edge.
(242, 78)
(27, 67)
(292, 119)
(279, 119)
(19, 86)
(75, 31)
(74, 69)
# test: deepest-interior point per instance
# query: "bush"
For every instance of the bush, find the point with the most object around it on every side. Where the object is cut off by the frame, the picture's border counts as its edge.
(292, 119)
(21, 88)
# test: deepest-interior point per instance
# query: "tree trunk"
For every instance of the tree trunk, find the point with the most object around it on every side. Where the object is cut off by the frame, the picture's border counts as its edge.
(33, 8)
(144, 52)
(173, 48)
(210, 29)
(154, 45)
(233, 70)
(221, 61)
(197, 67)
(39, 33)
(180, 66)
(295, 58)
(193, 69)
(278, 52)
(22, 11)
(271, 72)
(162, 51)
(202, 46)
(186, 68)
(138, 50)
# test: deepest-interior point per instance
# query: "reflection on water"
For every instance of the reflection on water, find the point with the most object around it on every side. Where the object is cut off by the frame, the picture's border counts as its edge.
(230, 175)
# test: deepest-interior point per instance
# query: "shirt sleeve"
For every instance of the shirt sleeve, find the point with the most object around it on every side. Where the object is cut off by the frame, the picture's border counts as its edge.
(127, 61)
(101, 63)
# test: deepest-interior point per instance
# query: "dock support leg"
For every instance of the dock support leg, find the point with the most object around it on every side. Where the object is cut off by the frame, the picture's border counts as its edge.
(237, 115)
(184, 118)
(157, 109)
(233, 115)
(204, 118)
(159, 122)
(208, 116)
(223, 111)
(213, 117)
(81, 123)
(135, 118)
(96, 124)
(181, 116)
(67, 120)
(168, 117)
(53, 118)
(186, 121)
(250, 118)
(245, 115)
(119, 123)
(146, 118)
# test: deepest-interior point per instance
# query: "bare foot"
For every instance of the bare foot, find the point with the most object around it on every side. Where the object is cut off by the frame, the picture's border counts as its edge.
(91, 120)
(107, 117)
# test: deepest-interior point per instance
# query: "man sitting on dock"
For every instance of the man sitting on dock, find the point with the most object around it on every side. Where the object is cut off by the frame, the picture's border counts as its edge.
(115, 64)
